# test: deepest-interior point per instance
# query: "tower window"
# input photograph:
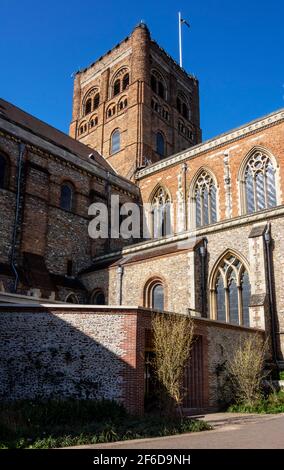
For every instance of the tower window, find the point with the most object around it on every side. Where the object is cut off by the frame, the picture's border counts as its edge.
(161, 90)
(160, 144)
(3, 172)
(185, 111)
(115, 141)
(116, 87)
(88, 107)
(96, 101)
(182, 105)
(154, 83)
(67, 197)
(125, 81)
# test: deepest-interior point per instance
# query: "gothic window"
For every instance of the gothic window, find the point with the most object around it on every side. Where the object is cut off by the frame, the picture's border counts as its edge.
(115, 141)
(160, 144)
(93, 121)
(3, 171)
(98, 298)
(231, 292)
(205, 200)
(161, 214)
(158, 297)
(96, 101)
(125, 81)
(116, 87)
(259, 183)
(67, 197)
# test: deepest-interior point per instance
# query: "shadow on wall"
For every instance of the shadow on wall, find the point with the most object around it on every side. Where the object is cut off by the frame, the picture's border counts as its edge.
(64, 355)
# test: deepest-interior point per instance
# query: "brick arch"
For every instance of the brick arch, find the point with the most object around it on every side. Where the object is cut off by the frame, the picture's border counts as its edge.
(154, 280)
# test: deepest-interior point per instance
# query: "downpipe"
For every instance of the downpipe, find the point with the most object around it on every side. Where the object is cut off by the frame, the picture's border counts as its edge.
(22, 148)
(268, 242)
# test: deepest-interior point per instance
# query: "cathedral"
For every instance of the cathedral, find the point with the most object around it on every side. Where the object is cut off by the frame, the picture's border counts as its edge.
(75, 311)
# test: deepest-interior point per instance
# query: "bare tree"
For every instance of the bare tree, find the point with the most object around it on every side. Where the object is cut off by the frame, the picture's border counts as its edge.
(246, 367)
(172, 338)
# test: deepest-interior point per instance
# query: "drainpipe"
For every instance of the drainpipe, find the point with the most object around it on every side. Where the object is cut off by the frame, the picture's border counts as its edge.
(203, 255)
(120, 275)
(269, 270)
(184, 170)
(17, 214)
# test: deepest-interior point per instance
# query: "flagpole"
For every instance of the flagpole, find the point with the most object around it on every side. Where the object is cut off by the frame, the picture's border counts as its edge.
(179, 33)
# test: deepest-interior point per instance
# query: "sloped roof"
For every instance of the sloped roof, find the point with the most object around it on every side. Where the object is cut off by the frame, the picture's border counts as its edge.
(28, 122)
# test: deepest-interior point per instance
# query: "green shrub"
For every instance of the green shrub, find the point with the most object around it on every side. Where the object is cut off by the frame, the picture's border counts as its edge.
(35, 425)
(281, 375)
(274, 403)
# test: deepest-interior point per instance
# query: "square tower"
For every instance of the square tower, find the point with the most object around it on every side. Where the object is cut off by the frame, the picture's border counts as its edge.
(135, 105)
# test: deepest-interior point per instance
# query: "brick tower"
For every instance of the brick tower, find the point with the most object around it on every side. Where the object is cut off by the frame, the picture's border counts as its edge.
(135, 105)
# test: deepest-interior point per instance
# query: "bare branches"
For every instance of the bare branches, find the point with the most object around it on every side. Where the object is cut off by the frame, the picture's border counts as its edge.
(246, 367)
(173, 337)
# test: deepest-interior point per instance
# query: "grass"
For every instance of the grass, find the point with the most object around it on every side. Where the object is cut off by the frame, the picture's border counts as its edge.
(274, 403)
(54, 423)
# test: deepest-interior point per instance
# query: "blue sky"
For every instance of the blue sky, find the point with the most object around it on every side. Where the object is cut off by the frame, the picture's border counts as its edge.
(234, 48)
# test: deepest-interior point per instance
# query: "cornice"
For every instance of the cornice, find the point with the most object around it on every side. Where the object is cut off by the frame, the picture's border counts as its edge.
(229, 137)
(198, 233)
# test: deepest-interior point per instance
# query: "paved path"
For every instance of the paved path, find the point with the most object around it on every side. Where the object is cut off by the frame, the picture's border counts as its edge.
(231, 431)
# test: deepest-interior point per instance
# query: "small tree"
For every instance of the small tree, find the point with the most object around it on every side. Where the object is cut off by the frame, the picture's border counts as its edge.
(246, 367)
(173, 337)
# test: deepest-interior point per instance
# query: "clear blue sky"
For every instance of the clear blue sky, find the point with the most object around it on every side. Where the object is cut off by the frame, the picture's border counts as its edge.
(234, 48)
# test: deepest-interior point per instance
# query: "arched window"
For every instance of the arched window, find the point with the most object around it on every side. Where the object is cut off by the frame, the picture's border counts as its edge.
(125, 81)
(116, 87)
(161, 214)
(185, 111)
(154, 83)
(183, 105)
(88, 107)
(3, 172)
(230, 291)
(259, 183)
(158, 84)
(158, 297)
(67, 197)
(91, 101)
(98, 298)
(179, 105)
(154, 294)
(160, 144)
(96, 101)
(115, 141)
(205, 200)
